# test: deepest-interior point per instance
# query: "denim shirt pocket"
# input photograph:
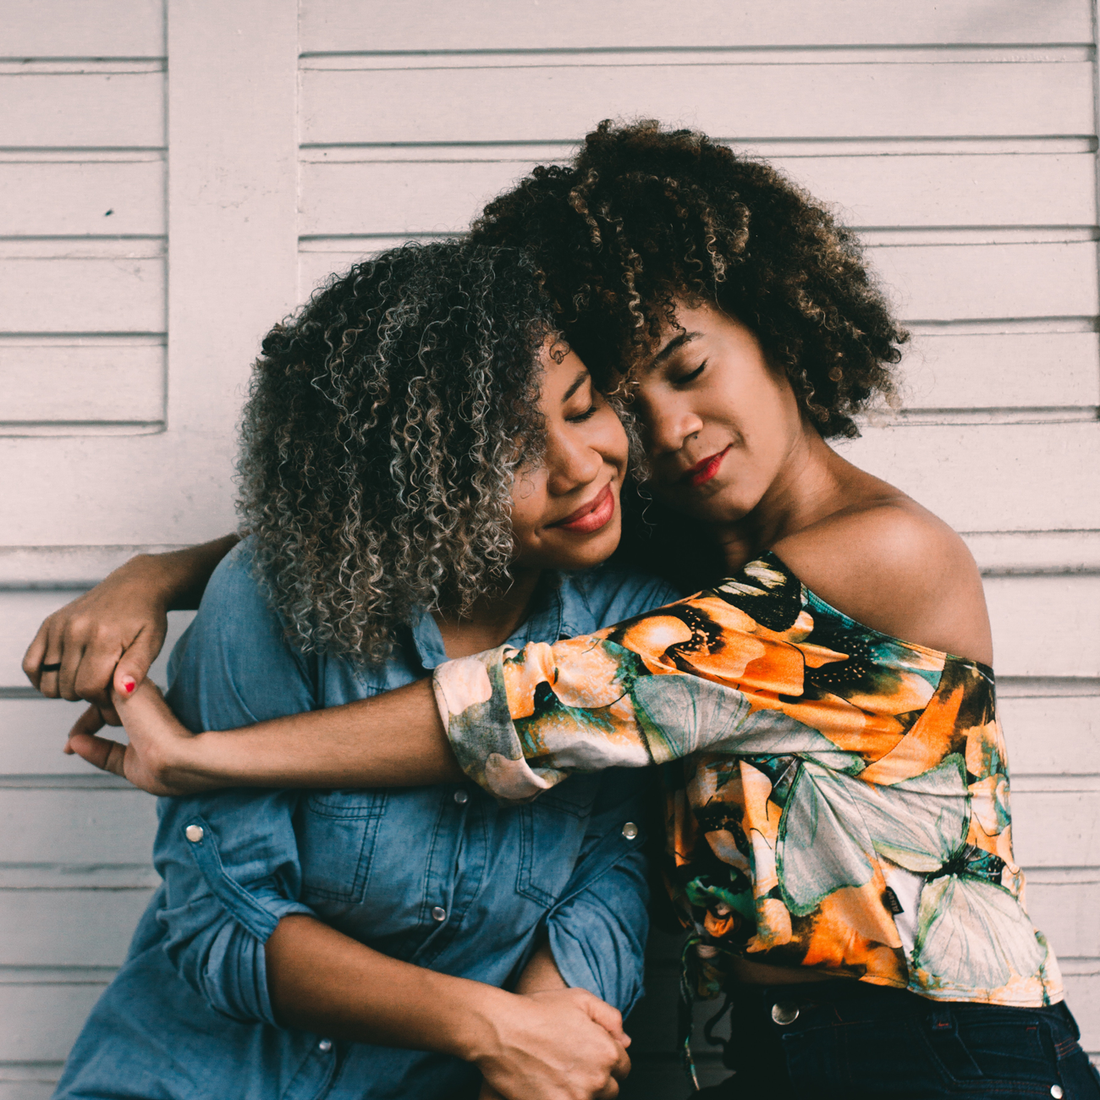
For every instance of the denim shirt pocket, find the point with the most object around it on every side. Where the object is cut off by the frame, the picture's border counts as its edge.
(336, 832)
(547, 858)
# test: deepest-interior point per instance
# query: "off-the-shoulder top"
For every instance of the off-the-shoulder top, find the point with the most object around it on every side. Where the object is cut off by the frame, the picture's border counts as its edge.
(840, 797)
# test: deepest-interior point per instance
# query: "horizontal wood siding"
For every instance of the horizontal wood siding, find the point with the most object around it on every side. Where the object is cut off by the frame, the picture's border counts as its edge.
(959, 139)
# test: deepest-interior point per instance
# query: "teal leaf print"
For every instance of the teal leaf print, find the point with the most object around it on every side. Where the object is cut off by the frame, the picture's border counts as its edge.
(822, 846)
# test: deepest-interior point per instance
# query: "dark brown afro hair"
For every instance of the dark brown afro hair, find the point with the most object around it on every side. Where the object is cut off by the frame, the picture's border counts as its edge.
(645, 215)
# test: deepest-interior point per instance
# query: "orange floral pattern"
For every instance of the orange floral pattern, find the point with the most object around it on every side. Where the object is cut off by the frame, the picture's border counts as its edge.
(836, 798)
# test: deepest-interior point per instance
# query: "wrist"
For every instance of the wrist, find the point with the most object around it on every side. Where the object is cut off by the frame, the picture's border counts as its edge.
(475, 1023)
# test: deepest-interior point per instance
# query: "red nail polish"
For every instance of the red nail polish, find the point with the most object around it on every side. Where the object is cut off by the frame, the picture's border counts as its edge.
(128, 684)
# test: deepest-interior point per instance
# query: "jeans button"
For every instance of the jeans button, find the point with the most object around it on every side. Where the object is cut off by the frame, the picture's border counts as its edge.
(784, 1013)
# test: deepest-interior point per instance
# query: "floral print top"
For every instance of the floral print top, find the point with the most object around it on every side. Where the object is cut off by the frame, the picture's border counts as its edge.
(837, 798)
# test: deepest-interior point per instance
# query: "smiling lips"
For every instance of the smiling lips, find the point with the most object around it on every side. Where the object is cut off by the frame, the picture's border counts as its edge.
(591, 516)
(703, 471)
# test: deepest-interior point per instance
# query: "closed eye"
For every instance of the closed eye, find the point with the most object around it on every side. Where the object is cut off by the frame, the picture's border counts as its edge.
(691, 375)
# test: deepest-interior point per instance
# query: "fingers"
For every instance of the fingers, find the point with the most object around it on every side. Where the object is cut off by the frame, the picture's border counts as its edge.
(621, 1069)
(91, 721)
(35, 656)
(105, 754)
(609, 1091)
(133, 665)
(608, 1017)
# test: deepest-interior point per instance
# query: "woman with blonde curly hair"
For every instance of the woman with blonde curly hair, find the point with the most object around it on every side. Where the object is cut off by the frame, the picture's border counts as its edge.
(838, 819)
(425, 470)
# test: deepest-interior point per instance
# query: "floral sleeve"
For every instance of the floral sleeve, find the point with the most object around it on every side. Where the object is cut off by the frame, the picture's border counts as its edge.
(722, 671)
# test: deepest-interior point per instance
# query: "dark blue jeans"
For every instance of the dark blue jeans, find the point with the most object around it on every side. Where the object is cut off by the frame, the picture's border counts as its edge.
(850, 1040)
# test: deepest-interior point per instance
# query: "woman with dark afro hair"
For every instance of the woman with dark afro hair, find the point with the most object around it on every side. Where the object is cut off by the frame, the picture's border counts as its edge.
(839, 843)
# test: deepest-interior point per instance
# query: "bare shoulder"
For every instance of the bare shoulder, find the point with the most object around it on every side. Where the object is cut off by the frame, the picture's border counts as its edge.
(894, 566)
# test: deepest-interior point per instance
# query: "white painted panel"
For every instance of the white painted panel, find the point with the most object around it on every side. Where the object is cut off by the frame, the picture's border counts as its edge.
(41, 1021)
(77, 826)
(82, 110)
(33, 733)
(1051, 735)
(1045, 626)
(81, 383)
(90, 28)
(974, 282)
(994, 477)
(38, 1087)
(1055, 828)
(946, 190)
(1066, 914)
(439, 196)
(68, 927)
(343, 25)
(1083, 998)
(927, 282)
(1001, 370)
(560, 103)
(1004, 552)
(82, 295)
(66, 198)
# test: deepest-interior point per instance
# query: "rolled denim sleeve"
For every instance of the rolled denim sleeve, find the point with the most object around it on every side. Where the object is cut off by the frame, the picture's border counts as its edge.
(230, 859)
(598, 929)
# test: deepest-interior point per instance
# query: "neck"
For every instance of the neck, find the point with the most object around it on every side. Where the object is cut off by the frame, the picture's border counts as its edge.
(490, 620)
(811, 485)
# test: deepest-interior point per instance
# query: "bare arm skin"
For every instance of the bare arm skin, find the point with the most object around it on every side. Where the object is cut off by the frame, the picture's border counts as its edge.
(407, 746)
(549, 1044)
(119, 626)
(893, 567)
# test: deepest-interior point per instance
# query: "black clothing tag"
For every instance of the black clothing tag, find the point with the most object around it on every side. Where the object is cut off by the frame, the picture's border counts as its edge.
(890, 899)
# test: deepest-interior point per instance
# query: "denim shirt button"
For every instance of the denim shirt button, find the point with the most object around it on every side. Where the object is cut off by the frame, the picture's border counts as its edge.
(324, 1046)
(1056, 1092)
(193, 833)
(462, 797)
(630, 830)
(784, 1013)
(439, 913)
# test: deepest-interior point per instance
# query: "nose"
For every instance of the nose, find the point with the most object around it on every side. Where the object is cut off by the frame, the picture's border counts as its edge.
(667, 424)
(571, 462)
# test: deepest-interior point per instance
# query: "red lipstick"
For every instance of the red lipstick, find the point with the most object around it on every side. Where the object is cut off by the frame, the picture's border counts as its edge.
(591, 516)
(703, 471)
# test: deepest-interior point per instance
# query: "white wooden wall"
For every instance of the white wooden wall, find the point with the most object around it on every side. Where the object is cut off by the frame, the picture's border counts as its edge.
(173, 178)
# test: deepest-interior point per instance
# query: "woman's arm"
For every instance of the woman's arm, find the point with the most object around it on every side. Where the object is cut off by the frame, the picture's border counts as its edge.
(407, 746)
(118, 627)
(551, 1044)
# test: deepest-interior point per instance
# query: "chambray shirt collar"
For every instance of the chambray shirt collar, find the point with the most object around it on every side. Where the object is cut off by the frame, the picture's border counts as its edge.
(546, 621)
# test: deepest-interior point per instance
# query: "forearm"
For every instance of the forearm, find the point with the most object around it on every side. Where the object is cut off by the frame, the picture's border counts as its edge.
(555, 1044)
(394, 739)
(323, 981)
(541, 972)
(182, 575)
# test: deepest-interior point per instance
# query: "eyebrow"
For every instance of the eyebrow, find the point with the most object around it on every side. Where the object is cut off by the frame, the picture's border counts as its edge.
(577, 382)
(670, 349)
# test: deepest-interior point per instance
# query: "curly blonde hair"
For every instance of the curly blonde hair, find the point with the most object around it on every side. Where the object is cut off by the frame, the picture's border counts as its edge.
(381, 437)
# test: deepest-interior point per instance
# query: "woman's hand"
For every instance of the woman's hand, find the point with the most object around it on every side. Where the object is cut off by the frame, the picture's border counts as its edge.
(156, 759)
(555, 1045)
(118, 628)
(119, 625)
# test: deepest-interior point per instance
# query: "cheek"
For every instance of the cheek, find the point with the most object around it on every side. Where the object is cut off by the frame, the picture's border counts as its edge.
(528, 503)
(610, 437)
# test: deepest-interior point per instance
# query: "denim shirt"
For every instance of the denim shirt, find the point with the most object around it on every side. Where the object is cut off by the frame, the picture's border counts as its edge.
(443, 877)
